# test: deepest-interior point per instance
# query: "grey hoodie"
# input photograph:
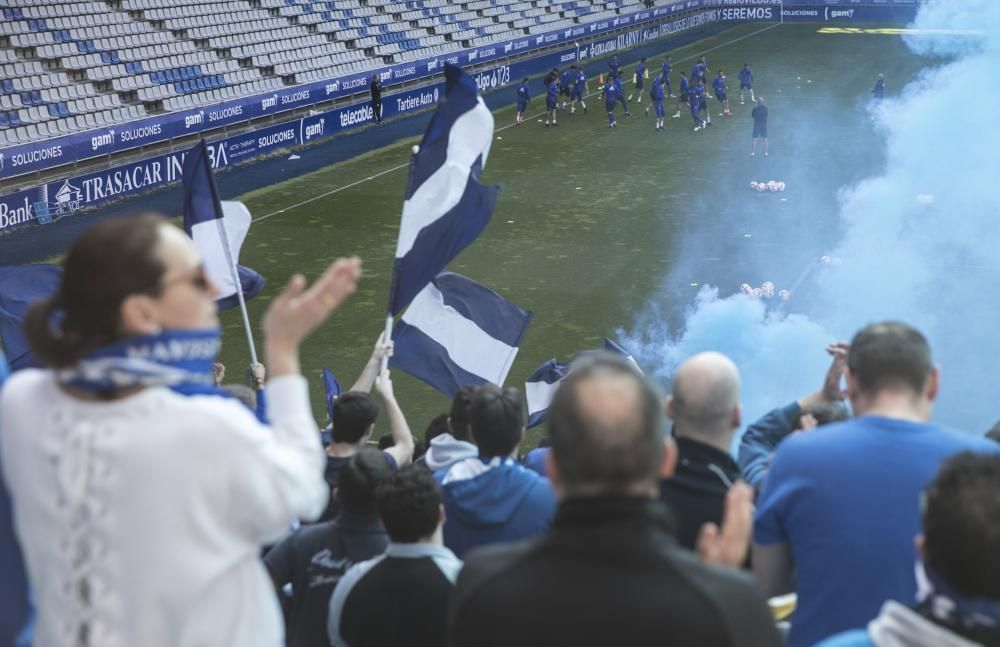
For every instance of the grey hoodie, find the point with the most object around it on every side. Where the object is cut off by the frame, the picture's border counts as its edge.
(900, 626)
(446, 450)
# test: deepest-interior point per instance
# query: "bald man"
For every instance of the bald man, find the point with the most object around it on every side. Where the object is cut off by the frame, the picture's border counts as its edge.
(609, 571)
(705, 408)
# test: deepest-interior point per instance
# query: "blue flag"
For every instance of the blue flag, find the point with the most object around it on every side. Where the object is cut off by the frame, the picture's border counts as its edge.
(332, 389)
(458, 333)
(445, 207)
(204, 221)
(19, 288)
(542, 384)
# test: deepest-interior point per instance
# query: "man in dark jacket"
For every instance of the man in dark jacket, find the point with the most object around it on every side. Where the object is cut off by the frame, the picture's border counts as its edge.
(376, 90)
(705, 407)
(315, 557)
(609, 572)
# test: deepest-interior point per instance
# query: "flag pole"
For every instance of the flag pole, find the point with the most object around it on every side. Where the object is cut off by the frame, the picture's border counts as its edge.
(392, 286)
(224, 235)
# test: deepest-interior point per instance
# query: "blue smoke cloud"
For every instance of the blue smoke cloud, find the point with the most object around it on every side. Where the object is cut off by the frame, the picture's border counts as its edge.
(920, 244)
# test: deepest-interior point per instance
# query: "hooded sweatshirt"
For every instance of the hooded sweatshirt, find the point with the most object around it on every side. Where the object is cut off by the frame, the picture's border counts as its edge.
(493, 500)
(899, 626)
(446, 450)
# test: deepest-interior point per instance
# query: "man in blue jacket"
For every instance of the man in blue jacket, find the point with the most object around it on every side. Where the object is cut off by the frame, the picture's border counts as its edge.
(491, 498)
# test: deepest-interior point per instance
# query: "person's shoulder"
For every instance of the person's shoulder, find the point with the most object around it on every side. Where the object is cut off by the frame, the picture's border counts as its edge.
(853, 638)
(25, 385)
(487, 564)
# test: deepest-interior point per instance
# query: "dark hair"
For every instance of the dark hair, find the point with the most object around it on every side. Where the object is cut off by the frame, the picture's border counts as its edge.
(436, 427)
(961, 533)
(596, 453)
(889, 354)
(353, 413)
(994, 432)
(409, 504)
(497, 420)
(106, 264)
(386, 441)
(358, 479)
(458, 418)
(824, 413)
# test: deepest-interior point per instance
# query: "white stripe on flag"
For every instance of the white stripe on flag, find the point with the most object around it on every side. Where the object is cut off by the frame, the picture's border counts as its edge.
(466, 343)
(539, 395)
(206, 239)
(470, 136)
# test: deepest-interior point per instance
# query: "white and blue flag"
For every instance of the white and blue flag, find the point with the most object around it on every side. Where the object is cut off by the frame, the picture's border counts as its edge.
(542, 385)
(458, 333)
(446, 207)
(201, 221)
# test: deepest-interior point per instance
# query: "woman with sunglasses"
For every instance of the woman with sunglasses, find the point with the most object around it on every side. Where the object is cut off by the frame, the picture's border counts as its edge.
(141, 495)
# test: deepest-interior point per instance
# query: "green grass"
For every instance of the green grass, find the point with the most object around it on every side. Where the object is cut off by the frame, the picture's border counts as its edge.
(592, 223)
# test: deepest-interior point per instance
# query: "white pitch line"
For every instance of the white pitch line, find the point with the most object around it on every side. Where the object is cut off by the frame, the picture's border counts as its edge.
(500, 129)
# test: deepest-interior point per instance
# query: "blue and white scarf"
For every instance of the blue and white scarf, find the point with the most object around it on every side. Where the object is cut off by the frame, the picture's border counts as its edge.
(937, 599)
(178, 359)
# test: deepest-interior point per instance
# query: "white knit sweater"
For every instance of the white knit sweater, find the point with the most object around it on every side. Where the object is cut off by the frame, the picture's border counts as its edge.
(142, 519)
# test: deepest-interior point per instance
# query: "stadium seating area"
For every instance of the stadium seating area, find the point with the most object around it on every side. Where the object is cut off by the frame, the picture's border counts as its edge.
(70, 66)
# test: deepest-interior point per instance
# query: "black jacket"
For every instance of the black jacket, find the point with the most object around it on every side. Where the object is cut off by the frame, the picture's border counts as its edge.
(696, 493)
(608, 573)
(312, 560)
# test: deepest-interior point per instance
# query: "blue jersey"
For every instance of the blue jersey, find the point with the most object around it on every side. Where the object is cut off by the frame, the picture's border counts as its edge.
(581, 81)
(656, 92)
(746, 76)
(552, 92)
(684, 86)
(567, 76)
(719, 84)
(611, 92)
(640, 70)
(667, 69)
(613, 65)
(618, 85)
(879, 89)
(523, 93)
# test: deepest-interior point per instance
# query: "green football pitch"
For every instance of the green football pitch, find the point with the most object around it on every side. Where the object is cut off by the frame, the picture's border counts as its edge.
(595, 226)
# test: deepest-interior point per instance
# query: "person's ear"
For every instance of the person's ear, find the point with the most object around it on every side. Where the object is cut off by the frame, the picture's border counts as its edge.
(920, 544)
(737, 417)
(369, 432)
(551, 470)
(853, 390)
(138, 315)
(670, 407)
(933, 383)
(333, 495)
(669, 461)
(442, 516)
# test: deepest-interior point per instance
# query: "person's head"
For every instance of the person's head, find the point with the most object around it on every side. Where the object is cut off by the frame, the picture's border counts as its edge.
(354, 415)
(760, 100)
(722, 72)
(994, 432)
(409, 505)
(684, 75)
(705, 399)
(668, 58)
(135, 275)
(819, 414)
(385, 441)
(616, 57)
(881, 77)
(524, 80)
(358, 479)
(891, 361)
(642, 60)
(436, 427)
(960, 529)
(458, 418)
(605, 423)
(746, 65)
(496, 419)
(572, 67)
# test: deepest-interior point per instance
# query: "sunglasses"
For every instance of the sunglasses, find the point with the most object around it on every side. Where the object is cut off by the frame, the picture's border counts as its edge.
(197, 278)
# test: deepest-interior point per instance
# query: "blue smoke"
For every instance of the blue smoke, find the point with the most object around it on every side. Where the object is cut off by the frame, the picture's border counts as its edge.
(919, 244)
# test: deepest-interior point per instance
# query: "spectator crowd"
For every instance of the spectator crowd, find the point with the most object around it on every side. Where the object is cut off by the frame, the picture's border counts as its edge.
(146, 503)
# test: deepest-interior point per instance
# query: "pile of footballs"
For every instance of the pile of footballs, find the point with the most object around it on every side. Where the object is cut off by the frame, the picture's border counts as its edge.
(765, 291)
(772, 186)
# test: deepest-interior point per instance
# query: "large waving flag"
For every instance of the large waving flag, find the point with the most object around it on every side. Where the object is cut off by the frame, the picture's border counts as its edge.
(542, 384)
(19, 287)
(458, 333)
(218, 230)
(446, 207)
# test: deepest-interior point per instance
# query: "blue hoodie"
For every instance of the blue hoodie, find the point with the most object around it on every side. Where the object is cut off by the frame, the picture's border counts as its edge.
(489, 501)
